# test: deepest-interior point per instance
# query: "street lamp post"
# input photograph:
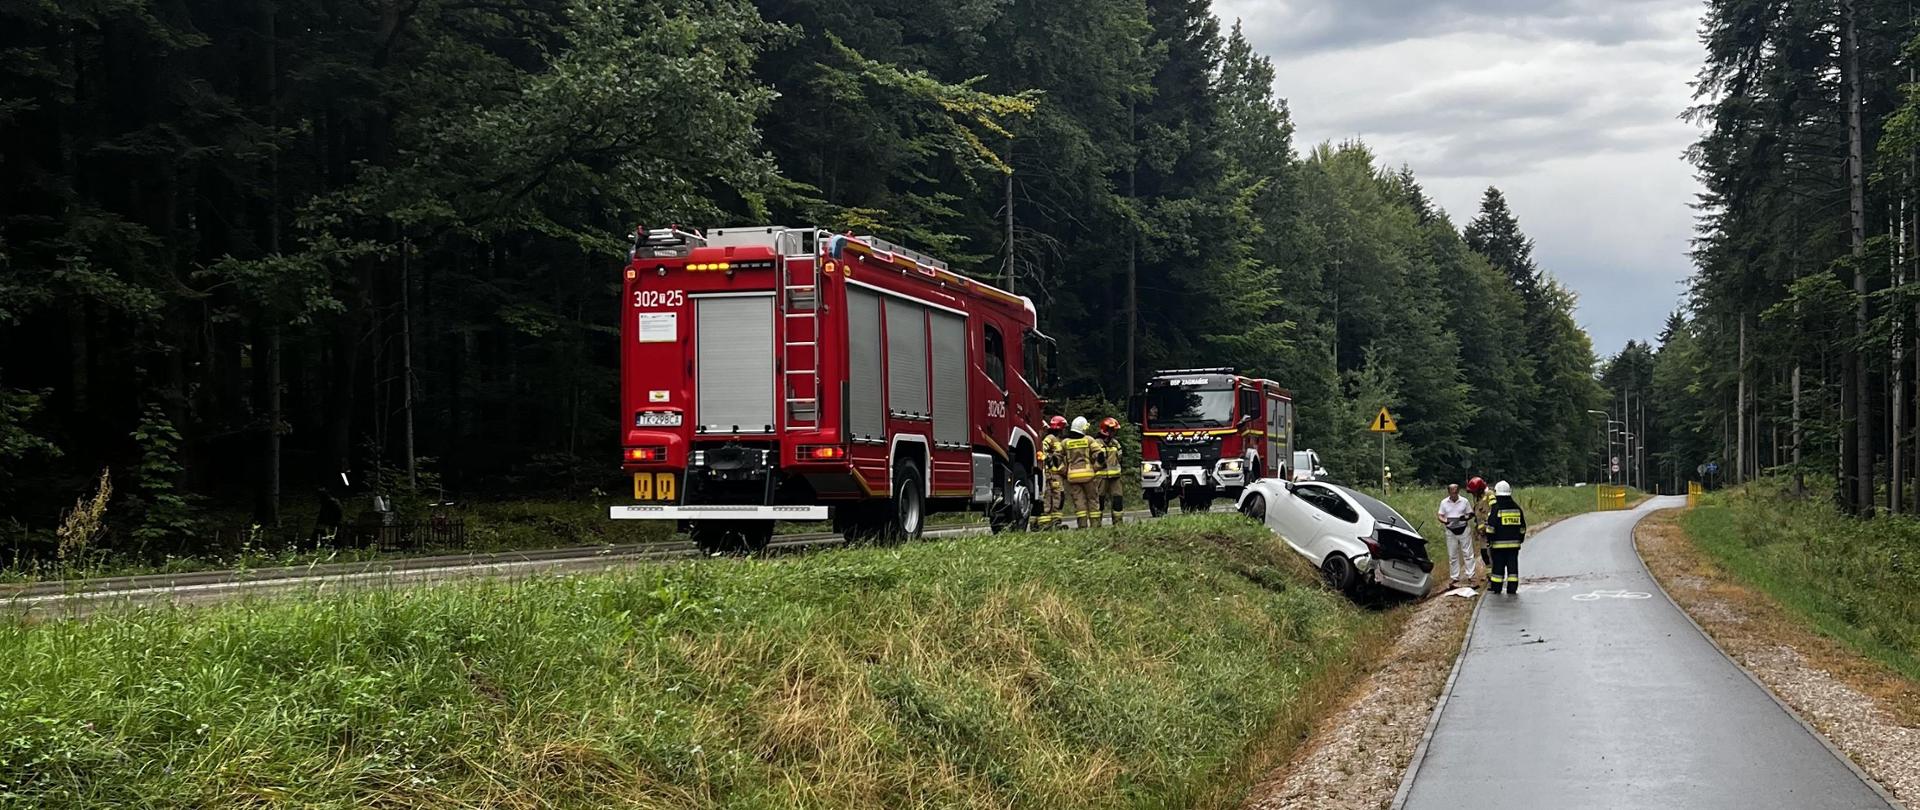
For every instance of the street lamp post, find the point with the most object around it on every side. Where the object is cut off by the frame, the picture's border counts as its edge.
(1606, 444)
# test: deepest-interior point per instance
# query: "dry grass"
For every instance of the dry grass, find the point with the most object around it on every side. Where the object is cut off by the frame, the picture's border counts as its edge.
(1867, 709)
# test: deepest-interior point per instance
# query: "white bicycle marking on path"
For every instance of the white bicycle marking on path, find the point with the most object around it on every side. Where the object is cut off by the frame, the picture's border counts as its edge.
(1598, 595)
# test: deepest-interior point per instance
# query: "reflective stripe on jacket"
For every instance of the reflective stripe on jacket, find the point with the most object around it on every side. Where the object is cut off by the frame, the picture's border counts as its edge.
(1107, 457)
(1506, 525)
(1078, 452)
(1053, 454)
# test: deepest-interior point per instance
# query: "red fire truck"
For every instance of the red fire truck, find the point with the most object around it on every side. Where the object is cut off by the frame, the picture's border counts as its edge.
(772, 373)
(1207, 432)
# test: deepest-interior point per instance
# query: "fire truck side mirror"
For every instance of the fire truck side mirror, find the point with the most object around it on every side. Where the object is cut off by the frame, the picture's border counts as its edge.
(1135, 404)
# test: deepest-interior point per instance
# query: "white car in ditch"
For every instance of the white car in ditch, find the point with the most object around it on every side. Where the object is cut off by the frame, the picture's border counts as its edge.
(1357, 542)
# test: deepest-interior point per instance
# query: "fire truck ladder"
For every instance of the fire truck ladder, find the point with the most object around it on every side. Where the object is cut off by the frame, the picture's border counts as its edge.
(800, 335)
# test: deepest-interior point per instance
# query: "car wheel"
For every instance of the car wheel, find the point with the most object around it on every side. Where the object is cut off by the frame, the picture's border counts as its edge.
(1254, 506)
(1157, 503)
(1338, 572)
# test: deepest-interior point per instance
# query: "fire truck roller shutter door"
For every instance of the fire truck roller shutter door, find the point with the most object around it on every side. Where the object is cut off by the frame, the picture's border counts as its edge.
(866, 405)
(906, 358)
(949, 333)
(734, 363)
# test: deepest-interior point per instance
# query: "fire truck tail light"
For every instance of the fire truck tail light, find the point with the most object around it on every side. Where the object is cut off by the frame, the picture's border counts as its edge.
(821, 452)
(646, 454)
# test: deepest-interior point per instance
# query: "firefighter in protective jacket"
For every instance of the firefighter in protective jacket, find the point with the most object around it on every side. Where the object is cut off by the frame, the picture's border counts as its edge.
(1079, 454)
(1505, 530)
(1053, 463)
(1107, 490)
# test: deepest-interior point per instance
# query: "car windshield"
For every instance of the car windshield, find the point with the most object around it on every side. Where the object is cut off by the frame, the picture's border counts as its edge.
(1380, 511)
(1189, 407)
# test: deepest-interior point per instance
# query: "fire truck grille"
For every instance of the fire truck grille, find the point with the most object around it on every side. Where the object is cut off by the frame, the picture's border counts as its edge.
(1189, 452)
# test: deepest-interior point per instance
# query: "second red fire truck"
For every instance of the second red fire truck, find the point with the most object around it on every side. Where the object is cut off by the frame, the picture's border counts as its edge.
(771, 373)
(1207, 433)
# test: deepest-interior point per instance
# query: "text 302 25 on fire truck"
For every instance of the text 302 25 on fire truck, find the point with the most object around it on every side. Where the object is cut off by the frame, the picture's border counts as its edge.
(772, 373)
(1207, 433)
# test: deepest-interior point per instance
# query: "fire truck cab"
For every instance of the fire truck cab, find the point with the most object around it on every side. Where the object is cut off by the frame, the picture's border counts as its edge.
(1207, 433)
(772, 373)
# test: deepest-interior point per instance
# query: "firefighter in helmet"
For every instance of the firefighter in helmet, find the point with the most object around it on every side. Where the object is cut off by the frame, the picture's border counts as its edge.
(1078, 451)
(1053, 463)
(1482, 503)
(1107, 476)
(1505, 530)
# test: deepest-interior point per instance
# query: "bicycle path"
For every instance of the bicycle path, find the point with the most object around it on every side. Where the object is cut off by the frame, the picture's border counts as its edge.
(1589, 689)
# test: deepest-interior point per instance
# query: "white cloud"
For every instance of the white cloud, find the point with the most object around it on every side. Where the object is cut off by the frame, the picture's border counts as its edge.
(1569, 106)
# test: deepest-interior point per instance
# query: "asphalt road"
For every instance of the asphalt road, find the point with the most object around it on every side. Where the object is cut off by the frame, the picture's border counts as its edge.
(1589, 689)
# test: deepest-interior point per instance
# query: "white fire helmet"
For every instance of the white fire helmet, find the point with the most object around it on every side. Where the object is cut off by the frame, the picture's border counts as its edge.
(1079, 424)
(1503, 490)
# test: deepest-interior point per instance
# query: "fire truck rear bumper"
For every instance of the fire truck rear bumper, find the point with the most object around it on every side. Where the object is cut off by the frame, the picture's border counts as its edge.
(643, 512)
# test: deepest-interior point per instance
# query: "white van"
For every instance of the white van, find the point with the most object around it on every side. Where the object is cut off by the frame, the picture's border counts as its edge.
(1306, 466)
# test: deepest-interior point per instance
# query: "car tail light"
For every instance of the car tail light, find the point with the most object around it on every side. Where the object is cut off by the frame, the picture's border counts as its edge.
(646, 454)
(1373, 545)
(820, 452)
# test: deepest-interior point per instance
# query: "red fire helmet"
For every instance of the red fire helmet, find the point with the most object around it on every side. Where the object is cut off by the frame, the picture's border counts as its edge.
(1476, 485)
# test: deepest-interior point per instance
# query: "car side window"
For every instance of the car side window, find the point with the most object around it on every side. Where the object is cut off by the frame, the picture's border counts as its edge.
(1327, 501)
(1314, 496)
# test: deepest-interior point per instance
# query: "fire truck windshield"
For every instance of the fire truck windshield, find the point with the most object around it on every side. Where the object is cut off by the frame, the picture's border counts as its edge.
(1172, 407)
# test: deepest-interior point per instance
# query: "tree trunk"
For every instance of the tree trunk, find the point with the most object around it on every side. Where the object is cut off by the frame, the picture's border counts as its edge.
(1740, 410)
(1861, 412)
(1009, 203)
(266, 369)
(406, 367)
(1897, 388)
(1133, 250)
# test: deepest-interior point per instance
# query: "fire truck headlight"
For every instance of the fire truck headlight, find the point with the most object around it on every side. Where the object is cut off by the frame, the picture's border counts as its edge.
(1230, 465)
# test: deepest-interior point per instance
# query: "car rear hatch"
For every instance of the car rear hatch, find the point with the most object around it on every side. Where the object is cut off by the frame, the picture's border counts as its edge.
(1400, 544)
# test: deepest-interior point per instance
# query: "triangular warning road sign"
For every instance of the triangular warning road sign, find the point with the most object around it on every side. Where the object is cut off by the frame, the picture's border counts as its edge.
(1384, 423)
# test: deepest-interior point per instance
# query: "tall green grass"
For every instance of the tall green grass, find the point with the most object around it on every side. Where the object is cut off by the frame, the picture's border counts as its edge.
(1857, 581)
(1130, 667)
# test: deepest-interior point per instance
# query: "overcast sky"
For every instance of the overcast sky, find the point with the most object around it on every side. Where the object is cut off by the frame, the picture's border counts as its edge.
(1569, 106)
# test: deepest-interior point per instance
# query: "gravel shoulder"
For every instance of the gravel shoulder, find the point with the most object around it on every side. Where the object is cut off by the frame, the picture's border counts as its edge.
(1867, 711)
(1354, 757)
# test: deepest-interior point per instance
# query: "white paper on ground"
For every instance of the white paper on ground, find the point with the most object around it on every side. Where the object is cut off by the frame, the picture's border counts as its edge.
(1462, 591)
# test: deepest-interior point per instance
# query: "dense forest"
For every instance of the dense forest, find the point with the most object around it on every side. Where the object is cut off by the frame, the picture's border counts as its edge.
(1796, 354)
(246, 247)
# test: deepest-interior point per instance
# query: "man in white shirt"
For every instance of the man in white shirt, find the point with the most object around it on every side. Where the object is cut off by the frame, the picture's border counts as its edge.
(1456, 521)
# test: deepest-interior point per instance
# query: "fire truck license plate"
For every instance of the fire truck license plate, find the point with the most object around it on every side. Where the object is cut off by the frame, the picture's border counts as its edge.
(654, 486)
(656, 419)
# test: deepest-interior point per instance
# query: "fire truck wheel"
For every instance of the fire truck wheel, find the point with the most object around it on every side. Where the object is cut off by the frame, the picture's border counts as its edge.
(909, 514)
(1157, 503)
(1015, 509)
(710, 537)
(754, 535)
(1196, 499)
